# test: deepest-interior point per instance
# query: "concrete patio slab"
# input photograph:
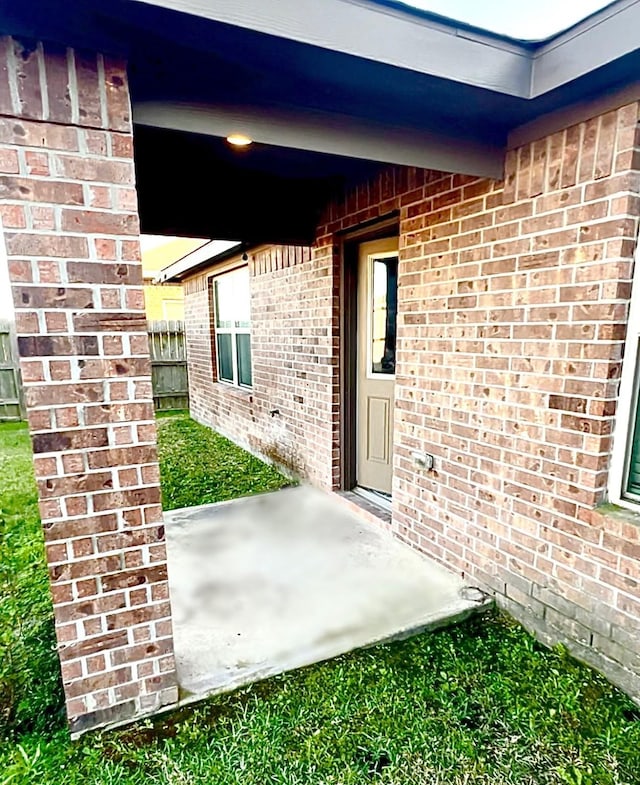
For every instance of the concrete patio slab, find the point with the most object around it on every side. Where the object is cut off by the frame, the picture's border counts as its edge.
(269, 583)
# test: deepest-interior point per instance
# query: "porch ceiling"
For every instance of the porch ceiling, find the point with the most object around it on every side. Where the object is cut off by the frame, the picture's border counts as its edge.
(196, 185)
(352, 79)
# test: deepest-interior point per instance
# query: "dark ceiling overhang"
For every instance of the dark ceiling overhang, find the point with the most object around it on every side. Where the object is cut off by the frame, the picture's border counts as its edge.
(328, 90)
(195, 185)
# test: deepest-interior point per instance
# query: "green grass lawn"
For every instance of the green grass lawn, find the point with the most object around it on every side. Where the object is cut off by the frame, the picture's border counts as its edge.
(198, 466)
(480, 703)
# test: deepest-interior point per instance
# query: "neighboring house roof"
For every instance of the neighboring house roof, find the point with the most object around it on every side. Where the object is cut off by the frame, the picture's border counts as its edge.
(200, 258)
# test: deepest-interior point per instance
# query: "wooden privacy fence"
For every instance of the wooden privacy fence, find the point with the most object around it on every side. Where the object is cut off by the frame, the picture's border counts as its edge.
(11, 398)
(168, 365)
(168, 369)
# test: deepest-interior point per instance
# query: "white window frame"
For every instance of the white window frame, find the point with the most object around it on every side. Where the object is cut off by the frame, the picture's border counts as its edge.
(233, 331)
(628, 399)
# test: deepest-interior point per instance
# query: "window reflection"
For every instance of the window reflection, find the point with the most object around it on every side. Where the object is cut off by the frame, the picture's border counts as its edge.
(384, 311)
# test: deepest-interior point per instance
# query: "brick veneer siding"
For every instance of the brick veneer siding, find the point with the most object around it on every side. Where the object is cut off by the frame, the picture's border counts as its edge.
(69, 213)
(295, 365)
(513, 299)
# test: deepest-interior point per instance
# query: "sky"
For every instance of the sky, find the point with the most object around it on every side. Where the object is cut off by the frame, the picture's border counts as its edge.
(528, 19)
(150, 241)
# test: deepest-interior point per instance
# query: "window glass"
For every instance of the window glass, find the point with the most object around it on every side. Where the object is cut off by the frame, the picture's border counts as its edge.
(225, 357)
(242, 298)
(233, 299)
(243, 343)
(173, 310)
(384, 311)
(632, 485)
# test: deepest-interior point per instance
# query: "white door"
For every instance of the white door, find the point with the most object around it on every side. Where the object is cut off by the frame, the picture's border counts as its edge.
(376, 358)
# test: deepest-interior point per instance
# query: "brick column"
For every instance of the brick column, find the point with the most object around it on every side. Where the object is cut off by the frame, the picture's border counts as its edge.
(70, 225)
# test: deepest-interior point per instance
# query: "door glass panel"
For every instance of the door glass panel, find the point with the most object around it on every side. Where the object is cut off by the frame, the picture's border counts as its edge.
(244, 359)
(225, 357)
(384, 312)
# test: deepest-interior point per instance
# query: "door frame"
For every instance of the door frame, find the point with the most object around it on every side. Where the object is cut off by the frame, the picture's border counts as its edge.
(349, 242)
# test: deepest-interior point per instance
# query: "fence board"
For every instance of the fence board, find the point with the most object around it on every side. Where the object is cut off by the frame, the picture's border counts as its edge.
(168, 365)
(11, 396)
(168, 369)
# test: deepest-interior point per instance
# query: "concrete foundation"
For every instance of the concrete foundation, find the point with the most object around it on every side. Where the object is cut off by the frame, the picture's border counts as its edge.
(269, 583)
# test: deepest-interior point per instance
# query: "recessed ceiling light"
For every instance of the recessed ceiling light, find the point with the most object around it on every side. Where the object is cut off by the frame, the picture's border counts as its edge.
(239, 140)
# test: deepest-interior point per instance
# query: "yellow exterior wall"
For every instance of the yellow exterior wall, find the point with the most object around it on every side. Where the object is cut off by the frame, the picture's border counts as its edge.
(165, 301)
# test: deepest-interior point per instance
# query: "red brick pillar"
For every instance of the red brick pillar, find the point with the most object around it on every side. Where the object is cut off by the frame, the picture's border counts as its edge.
(69, 214)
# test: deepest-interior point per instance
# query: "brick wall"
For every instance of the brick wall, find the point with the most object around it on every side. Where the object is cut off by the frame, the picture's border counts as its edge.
(513, 302)
(295, 365)
(513, 306)
(70, 226)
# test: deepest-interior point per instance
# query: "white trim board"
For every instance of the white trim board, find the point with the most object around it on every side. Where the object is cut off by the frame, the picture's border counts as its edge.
(434, 46)
(623, 427)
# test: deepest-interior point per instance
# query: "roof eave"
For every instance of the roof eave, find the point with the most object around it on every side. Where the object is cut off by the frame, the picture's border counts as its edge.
(196, 261)
(431, 44)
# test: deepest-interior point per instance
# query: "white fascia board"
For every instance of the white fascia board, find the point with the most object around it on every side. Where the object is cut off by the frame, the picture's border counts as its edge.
(379, 33)
(436, 48)
(328, 133)
(602, 38)
(207, 252)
